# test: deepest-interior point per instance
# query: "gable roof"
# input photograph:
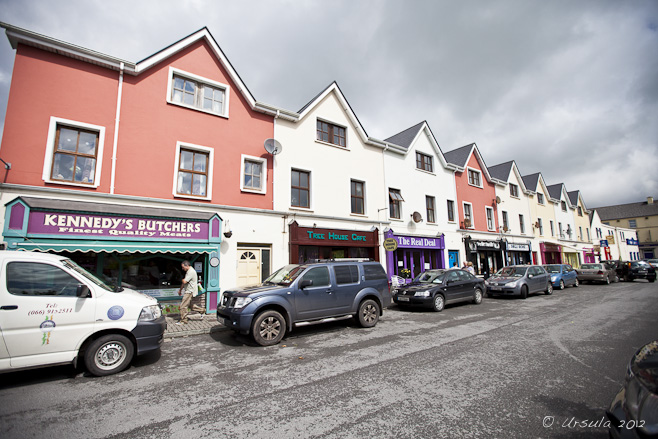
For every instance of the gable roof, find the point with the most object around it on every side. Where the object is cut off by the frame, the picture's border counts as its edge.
(18, 35)
(531, 181)
(555, 190)
(460, 157)
(405, 138)
(502, 171)
(630, 210)
(402, 142)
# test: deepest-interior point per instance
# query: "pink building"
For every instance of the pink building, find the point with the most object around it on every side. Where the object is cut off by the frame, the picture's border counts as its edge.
(477, 209)
(175, 139)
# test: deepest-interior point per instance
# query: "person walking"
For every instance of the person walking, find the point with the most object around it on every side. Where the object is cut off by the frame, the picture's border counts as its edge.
(189, 288)
(470, 268)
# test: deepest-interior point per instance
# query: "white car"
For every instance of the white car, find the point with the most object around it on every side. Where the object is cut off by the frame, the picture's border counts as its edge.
(52, 311)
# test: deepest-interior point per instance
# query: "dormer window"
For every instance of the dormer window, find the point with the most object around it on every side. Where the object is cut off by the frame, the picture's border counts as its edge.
(424, 162)
(330, 133)
(514, 190)
(474, 178)
(564, 206)
(192, 91)
(540, 198)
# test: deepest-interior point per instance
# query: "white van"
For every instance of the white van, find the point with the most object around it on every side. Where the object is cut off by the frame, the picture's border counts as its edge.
(52, 311)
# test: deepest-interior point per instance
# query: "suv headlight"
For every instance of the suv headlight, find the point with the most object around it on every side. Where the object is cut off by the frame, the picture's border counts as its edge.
(422, 294)
(150, 312)
(241, 302)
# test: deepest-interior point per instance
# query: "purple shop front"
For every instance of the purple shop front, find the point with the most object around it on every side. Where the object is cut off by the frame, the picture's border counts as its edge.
(414, 255)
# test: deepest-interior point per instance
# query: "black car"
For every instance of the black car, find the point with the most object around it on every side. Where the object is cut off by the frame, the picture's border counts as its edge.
(634, 411)
(436, 288)
(631, 270)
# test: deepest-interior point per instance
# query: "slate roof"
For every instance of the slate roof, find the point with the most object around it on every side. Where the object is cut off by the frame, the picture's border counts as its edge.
(631, 210)
(555, 190)
(501, 171)
(404, 138)
(573, 197)
(531, 181)
(459, 156)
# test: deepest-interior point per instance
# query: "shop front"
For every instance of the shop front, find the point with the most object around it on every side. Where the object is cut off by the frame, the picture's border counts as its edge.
(606, 254)
(486, 256)
(550, 253)
(518, 254)
(414, 255)
(589, 255)
(314, 243)
(135, 247)
(570, 256)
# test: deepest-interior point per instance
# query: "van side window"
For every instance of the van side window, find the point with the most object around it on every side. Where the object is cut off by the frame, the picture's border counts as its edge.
(319, 276)
(346, 274)
(374, 272)
(34, 279)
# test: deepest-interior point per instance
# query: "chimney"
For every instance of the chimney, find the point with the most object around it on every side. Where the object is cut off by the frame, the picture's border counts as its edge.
(649, 200)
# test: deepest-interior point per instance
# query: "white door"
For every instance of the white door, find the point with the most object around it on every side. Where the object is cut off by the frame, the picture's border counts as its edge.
(249, 266)
(42, 319)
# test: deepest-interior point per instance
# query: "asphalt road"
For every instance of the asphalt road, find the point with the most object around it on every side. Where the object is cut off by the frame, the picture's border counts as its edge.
(502, 369)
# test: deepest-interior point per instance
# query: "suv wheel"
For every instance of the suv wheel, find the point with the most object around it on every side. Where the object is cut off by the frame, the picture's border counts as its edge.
(268, 328)
(368, 313)
(477, 297)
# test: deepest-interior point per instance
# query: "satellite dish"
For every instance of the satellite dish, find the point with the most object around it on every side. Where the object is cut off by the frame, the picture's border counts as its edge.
(498, 200)
(417, 217)
(273, 146)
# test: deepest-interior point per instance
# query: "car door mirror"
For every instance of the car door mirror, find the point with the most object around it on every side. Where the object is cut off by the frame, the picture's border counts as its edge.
(305, 283)
(82, 291)
(530, 276)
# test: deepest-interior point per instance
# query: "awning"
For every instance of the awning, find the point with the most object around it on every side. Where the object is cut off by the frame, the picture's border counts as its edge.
(46, 245)
(568, 249)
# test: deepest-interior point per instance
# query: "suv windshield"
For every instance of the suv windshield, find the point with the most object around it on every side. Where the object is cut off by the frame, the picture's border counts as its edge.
(73, 266)
(429, 277)
(285, 275)
(514, 271)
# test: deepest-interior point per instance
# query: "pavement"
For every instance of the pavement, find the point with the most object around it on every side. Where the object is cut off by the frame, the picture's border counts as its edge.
(197, 324)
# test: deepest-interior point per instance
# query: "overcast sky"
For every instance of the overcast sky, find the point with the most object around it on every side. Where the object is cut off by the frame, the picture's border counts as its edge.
(566, 88)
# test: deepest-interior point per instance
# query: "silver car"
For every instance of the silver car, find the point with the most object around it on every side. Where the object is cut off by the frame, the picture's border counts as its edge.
(519, 280)
(597, 273)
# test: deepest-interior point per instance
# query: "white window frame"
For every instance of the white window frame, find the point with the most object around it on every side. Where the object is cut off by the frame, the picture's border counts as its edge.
(492, 226)
(170, 84)
(50, 151)
(470, 205)
(468, 169)
(200, 148)
(263, 175)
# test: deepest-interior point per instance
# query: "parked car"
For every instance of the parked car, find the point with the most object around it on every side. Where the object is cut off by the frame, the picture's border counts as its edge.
(436, 288)
(520, 280)
(597, 272)
(52, 311)
(562, 275)
(297, 295)
(634, 411)
(653, 262)
(631, 270)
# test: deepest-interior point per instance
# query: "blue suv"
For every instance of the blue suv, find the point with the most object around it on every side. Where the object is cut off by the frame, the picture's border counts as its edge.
(298, 295)
(562, 275)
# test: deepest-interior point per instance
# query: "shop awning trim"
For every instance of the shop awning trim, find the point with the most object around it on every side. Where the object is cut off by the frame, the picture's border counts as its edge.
(115, 246)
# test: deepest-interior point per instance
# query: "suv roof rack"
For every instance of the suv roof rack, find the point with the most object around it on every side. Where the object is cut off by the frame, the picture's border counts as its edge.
(342, 260)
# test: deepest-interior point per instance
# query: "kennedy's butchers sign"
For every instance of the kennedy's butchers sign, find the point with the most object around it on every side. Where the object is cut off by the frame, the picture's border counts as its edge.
(119, 227)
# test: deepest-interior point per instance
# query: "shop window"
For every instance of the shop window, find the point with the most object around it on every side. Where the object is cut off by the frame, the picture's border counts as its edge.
(319, 276)
(395, 206)
(540, 198)
(451, 211)
(346, 274)
(192, 167)
(74, 153)
(490, 218)
(253, 176)
(430, 204)
(300, 189)
(357, 197)
(474, 178)
(33, 279)
(514, 190)
(424, 162)
(198, 93)
(330, 133)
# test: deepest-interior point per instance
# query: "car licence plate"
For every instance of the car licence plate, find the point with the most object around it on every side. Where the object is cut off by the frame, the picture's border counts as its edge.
(403, 299)
(496, 288)
(642, 272)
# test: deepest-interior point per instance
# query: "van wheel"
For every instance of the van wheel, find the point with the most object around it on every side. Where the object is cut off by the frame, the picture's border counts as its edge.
(268, 328)
(109, 354)
(368, 313)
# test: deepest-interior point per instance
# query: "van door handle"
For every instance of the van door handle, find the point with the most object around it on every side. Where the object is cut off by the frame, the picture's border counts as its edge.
(9, 307)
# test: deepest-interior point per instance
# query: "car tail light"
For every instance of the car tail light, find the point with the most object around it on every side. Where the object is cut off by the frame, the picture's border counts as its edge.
(600, 272)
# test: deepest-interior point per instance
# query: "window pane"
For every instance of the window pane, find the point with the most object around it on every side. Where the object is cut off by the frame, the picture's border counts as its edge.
(319, 276)
(188, 99)
(178, 83)
(186, 160)
(304, 202)
(184, 183)
(303, 179)
(189, 86)
(256, 168)
(295, 178)
(178, 96)
(256, 182)
(247, 167)
(63, 167)
(32, 279)
(68, 140)
(87, 143)
(84, 169)
(248, 181)
(200, 162)
(199, 185)
(294, 197)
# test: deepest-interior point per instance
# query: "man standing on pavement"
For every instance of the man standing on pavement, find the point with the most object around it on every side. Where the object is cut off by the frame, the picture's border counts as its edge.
(188, 289)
